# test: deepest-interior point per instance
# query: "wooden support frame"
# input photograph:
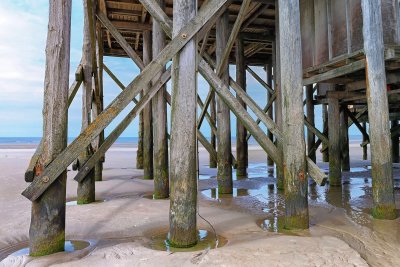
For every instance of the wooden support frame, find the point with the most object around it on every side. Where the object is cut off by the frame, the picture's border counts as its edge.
(39, 185)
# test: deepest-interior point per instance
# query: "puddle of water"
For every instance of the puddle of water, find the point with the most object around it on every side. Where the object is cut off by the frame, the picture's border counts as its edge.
(69, 246)
(206, 240)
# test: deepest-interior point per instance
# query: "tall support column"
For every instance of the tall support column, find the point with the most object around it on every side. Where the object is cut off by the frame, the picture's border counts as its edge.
(139, 153)
(325, 126)
(310, 116)
(268, 69)
(295, 168)
(335, 168)
(395, 144)
(147, 118)
(47, 228)
(378, 112)
(99, 101)
(278, 100)
(183, 178)
(365, 148)
(86, 188)
(241, 132)
(213, 141)
(225, 184)
(160, 139)
(344, 140)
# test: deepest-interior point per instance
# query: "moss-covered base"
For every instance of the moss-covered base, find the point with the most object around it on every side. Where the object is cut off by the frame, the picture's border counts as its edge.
(84, 201)
(384, 212)
(147, 177)
(299, 222)
(175, 245)
(48, 246)
(225, 189)
(160, 196)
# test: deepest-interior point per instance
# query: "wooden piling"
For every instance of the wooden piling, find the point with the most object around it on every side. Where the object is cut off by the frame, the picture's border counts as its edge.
(378, 112)
(86, 188)
(335, 168)
(344, 139)
(310, 116)
(47, 231)
(241, 132)
(213, 141)
(294, 158)
(395, 143)
(159, 106)
(147, 116)
(183, 178)
(268, 70)
(325, 149)
(365, 148)
(224, 177)
(278, 100)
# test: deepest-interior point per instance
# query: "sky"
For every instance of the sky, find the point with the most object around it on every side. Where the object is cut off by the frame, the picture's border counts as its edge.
(23, 30)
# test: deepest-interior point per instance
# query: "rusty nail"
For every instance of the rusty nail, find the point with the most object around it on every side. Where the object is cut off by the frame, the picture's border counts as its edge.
(45, 179)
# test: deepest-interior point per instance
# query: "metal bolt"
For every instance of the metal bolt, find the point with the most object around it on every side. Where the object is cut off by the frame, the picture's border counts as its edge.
(184, 35)
(45, 179)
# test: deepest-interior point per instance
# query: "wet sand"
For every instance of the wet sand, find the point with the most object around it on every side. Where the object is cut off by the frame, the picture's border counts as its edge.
(122, 225)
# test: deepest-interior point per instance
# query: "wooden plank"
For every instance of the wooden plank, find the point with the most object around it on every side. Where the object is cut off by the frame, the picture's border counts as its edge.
(37, 187)
(47, 231)
(378, 112)
(121, 40)
(335, 172)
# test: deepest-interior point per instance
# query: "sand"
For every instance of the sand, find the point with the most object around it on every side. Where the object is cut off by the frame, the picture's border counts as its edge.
(121, 227)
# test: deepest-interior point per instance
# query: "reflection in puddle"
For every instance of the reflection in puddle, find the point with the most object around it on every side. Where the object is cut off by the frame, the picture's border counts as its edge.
(69, 246)
(206, 240)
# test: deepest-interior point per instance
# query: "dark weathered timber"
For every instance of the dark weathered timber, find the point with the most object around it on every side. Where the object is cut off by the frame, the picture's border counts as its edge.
(86, 187)
(378, 112)
(159, 116)
(139, 152)
(147, 115)
(213, 139)
(395, 143)
(294, 158)
(310, 117)
(365, 148)
(270, 111)
(241, 142)
(66, 157)
(224, 163)
(113, 136)
(335, 171)
(353, 119)
(277, 89)
(344, 139)
(325, 151)
(183, 178)
(47, 232)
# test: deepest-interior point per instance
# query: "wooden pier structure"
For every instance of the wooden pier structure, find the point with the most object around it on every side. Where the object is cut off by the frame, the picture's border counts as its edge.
(341, 54)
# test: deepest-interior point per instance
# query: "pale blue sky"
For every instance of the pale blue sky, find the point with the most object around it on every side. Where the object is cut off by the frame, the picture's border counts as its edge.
(23, 29)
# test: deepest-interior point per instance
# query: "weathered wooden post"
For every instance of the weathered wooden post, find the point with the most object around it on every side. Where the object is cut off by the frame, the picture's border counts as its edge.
(335, 168)
(311, 118)
(225, 184)
(160, 139)
(278, 100)
(395, 143)
(365, 148)
(147, 118)
(213, 141)
(183, 178)
(378, 112)
(344, 140)
(325, 149)
(47, 229)
(86, 188)
(295, 166)
(241, 132)
(268, 69)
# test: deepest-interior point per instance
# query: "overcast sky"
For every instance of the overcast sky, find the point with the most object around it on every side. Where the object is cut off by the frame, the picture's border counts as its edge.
(23, 30)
